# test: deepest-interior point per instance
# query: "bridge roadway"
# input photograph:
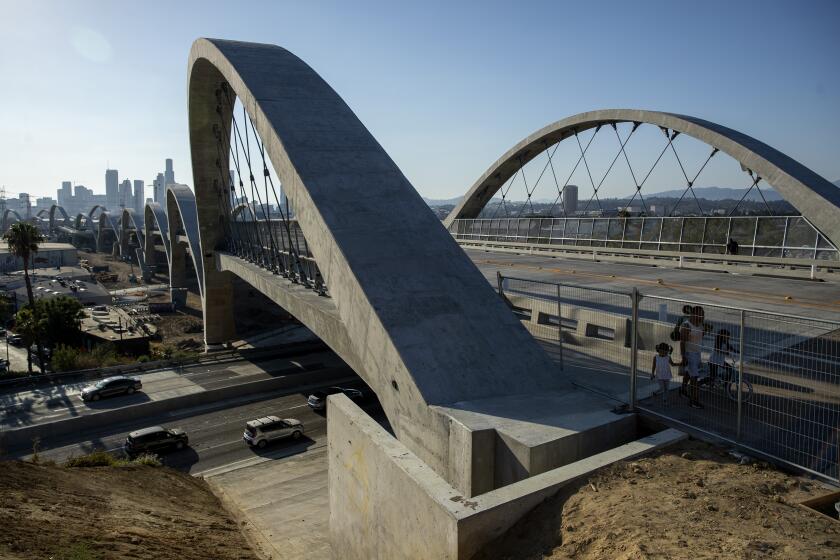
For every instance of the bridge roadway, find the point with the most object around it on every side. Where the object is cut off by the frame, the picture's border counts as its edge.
(808, 298)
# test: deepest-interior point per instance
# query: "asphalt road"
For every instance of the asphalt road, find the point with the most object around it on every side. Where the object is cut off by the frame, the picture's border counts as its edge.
(215, 433)
(775, 294)
(58, 402)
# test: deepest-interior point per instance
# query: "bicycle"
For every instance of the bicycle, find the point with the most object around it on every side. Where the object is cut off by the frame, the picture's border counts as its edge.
(726, 380)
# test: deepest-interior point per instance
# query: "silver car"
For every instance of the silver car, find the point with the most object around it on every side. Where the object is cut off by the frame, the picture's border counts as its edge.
(262, 431)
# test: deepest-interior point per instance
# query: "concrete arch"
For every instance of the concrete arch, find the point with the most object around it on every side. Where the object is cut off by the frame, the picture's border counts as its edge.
(43, 213)
(129, 218)
(56, 208)
(811, 194)
(182, 220)
(10, 213)
(104, 223)
(154, 215)
(408, 310)
(241, 208)
(94, 209)
(82, 221)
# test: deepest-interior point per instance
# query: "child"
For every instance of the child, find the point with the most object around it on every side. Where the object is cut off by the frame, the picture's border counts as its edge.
(717, 361)
(661, 368)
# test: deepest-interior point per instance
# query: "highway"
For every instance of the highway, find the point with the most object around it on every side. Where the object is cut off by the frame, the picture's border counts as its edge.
(215, 432)
(57, 402)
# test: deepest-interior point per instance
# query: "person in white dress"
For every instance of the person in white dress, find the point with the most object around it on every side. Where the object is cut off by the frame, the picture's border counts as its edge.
(661, 368)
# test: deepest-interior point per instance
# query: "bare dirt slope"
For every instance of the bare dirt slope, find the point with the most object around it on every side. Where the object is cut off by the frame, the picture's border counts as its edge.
(137, 512)
(689, 501)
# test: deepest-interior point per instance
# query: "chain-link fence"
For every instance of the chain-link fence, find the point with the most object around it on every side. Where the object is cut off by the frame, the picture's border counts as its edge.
(764, 381)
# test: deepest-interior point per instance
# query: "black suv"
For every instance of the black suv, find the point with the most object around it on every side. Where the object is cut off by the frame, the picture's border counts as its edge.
(155, 440)
(111, 386)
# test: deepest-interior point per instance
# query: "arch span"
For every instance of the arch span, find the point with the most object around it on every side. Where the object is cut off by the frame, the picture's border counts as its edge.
(811, 194)
(10, 213)
(130, 219)
(62, 211)
(104, 223)
(182, 220)
(408, 310)
(241, 208)
(155, 216)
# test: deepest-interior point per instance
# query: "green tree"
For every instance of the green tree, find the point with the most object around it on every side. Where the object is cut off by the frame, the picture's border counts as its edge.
(7, 309)
(51, 322)
(23, 239)
(29, 325)
(60, 317)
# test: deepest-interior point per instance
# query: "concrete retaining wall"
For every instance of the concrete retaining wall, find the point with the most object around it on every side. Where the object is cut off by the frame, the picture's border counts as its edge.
(386, 503)
(22, 437)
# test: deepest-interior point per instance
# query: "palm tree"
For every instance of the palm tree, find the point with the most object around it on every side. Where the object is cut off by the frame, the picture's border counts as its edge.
(23, 239)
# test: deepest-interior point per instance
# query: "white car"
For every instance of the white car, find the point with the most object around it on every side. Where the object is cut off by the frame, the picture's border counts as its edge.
(262, 431)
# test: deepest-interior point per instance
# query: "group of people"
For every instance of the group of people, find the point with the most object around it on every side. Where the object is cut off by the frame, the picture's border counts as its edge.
(690, 331)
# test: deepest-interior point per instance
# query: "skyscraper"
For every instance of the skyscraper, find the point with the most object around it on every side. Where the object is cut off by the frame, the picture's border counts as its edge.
(139, 195)
(159, 189)
(112, 189)
(169, 174)
(126, 200)
(570, 199)
(65, 193)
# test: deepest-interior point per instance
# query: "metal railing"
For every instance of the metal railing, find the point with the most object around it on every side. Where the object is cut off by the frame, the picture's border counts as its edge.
(765, 236)
(767, 382)
(279, 246)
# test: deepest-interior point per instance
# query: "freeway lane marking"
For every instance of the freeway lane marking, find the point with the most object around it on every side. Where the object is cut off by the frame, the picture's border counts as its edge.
(814, 304)
(251, 461)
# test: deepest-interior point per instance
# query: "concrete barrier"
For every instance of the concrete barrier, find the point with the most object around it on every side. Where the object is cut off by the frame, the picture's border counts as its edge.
(18, 438)
(431, 519)
(741, 264)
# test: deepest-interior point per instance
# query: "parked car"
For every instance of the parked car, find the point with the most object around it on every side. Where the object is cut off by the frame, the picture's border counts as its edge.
(14, 339)
(110, 387)
(155, 440)
(262, 431)
(318, 399)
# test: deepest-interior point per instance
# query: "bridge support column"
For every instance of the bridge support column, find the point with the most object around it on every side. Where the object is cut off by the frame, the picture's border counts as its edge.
(219, 326)
(178, 265)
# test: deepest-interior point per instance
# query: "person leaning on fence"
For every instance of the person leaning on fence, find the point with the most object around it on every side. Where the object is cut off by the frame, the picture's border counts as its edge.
(661, 368)
(717, 361)
(675, 336)
(691, 341)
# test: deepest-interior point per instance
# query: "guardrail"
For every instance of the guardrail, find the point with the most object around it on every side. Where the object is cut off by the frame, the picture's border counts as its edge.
(799, 268)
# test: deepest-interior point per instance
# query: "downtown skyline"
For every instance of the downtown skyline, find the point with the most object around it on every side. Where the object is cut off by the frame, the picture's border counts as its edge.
(452, 105)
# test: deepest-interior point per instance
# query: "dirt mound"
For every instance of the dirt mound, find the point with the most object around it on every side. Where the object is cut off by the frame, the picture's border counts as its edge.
(112, 512)
(689, 501)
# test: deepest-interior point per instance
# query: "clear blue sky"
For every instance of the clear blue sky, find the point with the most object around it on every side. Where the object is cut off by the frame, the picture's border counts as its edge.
(446, 87)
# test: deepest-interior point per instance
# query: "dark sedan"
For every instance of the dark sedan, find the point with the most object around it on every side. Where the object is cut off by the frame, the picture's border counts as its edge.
(155, 440)
(318, 399)
(110, 387)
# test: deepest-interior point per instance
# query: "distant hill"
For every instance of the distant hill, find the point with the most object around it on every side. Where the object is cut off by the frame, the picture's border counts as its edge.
(443, 201)
(720, 193)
